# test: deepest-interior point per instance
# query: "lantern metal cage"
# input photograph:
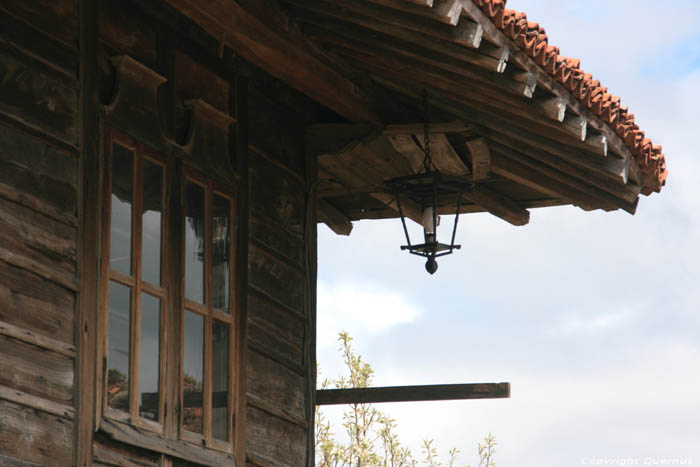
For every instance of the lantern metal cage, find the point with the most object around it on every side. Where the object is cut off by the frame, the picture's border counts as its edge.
(433, 192)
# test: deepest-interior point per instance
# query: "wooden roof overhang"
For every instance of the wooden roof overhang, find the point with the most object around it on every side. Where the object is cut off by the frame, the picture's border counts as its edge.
(524, 124)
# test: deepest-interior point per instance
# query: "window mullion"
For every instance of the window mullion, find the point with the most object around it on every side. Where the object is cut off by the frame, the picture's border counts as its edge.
(136, 296)
(208, 216)
(233, 309)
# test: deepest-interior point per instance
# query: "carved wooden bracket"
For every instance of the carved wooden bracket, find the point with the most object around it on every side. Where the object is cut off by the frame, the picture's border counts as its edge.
(208, 141)
(134, 108)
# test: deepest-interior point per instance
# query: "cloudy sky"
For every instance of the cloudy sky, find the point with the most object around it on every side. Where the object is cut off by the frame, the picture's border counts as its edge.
(594, 318)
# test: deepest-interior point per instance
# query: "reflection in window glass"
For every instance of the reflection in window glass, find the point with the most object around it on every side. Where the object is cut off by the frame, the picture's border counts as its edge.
(151, 249)
(194, 242)
(149, 361)
(118, 351)
(193, 373)
(220, 346)
(122, 200)
(221, 246)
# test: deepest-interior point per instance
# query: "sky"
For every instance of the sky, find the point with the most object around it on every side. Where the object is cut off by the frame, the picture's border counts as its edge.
(593, 317)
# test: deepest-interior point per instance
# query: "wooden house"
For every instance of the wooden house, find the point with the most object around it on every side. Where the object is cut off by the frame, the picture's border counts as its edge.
(163, 166)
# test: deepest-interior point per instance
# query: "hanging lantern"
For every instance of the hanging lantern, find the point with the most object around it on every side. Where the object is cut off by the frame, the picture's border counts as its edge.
(431, 190)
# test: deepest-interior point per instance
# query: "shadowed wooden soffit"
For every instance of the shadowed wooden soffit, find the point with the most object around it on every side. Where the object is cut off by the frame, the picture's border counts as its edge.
(525, 125)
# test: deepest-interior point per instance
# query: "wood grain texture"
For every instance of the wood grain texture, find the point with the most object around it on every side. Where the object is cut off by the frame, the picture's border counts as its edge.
(274, 332)
(123, 29)
(39, 403)
(57, 18)
(289, 446)
(37, 339)
(21, 38)
(277, 239)
(36, 304)
(37, 237)
(36, 371)
(133, 436)
(275, 278)
(278, 56)
(35, 436)
(276, 385)
(38, 100)
(275, 194)
(413, 393)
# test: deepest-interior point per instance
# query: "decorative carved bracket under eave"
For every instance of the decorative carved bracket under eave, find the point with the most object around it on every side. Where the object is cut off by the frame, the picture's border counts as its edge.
(134, 107)
(358, 159)
(209, 139)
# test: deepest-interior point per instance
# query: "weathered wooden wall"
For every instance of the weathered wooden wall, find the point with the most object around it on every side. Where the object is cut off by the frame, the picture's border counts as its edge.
(40, 194)
(279, 270)
(38, 230)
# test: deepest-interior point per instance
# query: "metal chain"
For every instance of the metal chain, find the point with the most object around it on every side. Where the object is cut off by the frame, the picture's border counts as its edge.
(428, 160)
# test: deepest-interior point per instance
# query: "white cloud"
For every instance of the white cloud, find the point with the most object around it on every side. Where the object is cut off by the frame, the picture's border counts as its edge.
(360, 308)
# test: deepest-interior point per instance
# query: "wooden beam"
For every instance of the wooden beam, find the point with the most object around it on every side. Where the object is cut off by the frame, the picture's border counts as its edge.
(333, 218)
(89, 184)
(594, 192)
(412, 128)
(552, 107)
(351, 169)
(428, 3)
(499, 205)
(490, 124)
(280, 57)
(480, 159)
(443, 11)
(448, 161)
(438, 392)
(545, 180)
(397, 23)
(331, 138)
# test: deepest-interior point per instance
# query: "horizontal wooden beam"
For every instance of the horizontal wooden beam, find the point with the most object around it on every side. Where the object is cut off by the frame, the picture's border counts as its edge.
(412, 128)
(443, 11)
(499, 205)
(278, 56)
(398, 23)
(438, 392)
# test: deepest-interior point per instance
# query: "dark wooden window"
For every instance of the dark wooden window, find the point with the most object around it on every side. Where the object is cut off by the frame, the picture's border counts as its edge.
(134, 296)
(208, 321)
(137, 255)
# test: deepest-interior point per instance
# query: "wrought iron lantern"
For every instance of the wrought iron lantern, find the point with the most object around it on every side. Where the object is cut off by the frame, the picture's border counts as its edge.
(432, 191)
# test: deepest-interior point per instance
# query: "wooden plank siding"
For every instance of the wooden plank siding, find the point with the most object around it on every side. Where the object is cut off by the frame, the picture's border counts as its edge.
(38, 230)
(51, 161)
(277, 267)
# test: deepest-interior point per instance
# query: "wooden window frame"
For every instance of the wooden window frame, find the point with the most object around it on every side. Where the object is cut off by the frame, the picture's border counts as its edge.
(167, 361)
(134, 281)
(209, 313)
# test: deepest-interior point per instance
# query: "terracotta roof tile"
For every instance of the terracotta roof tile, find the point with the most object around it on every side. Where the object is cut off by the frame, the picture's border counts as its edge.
(533, 40)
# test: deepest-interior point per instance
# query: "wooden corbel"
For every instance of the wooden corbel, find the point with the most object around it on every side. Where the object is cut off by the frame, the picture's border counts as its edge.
(208, 145)
(134, 107)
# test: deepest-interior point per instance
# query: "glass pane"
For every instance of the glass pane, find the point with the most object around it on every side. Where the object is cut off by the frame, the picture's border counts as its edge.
(221, 250)
(193, 369)
(220, 346)
(149, 360)
(151, 230)
(122, 200)
(118, 351)
(194, 242)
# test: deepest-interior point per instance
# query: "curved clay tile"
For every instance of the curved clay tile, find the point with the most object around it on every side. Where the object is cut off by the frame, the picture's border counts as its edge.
(532, 39)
